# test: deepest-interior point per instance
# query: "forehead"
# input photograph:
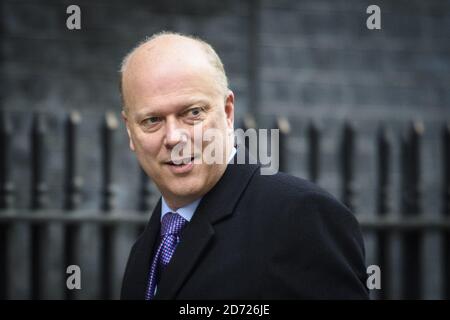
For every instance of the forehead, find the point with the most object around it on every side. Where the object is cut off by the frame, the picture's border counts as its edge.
(171, 90)
(152, 78)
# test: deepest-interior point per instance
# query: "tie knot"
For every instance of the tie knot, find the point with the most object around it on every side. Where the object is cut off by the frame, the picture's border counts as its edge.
(172, 224)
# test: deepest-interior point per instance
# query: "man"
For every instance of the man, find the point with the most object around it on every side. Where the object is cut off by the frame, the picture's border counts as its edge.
(222, 230)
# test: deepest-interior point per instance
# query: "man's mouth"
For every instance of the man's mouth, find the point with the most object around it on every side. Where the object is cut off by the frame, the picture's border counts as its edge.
(180, 162)
(180, 166)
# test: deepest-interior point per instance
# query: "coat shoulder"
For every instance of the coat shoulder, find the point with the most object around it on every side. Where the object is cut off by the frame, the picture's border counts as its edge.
(289, 197)
(290, 188)
(303, 218)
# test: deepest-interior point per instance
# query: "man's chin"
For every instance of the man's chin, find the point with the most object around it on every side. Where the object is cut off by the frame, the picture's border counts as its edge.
(184, 189)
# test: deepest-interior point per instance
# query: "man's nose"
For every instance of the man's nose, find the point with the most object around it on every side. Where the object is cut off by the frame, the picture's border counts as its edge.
(175, 134)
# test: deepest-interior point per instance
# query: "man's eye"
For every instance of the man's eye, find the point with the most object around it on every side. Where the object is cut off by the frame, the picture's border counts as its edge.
(151, 120)
(194, 112)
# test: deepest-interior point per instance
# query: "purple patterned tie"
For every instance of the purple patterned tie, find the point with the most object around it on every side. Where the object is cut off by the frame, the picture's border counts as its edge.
(171, 225)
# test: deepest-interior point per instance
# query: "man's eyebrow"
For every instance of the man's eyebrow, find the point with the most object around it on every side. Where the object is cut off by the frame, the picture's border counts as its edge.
(143, 114)
(140, 114)
(181, 108)
(193, 104)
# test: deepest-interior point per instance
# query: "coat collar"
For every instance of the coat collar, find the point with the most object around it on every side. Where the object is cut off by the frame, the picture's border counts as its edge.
(215, 206)
(136, 276)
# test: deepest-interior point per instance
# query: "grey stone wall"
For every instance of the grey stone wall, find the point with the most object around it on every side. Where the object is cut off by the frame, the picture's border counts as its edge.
(305, 60)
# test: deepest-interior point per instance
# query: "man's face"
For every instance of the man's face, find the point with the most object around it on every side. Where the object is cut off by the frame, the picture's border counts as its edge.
(164, 104)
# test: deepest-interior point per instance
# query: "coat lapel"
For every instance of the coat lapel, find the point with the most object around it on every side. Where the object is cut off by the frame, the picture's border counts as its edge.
(215, 206)
(137, 275)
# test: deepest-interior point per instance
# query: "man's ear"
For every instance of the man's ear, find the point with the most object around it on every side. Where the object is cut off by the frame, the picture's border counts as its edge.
(125, 119)
(229, 109)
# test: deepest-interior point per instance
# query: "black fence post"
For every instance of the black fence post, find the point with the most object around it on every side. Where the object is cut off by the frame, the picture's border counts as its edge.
(253, 57)
(248, 122)
(146, 194)
(72, 200)
(412, 271)
(446, 207)
(282, 124)
(108, 129)
(38, 201)
(383, 205)
(404, 204)
(347, 155)
(313, 151)
(6, 201)
(7, 187)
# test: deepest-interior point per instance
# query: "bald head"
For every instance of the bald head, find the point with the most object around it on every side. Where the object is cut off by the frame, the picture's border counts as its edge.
(166, 52)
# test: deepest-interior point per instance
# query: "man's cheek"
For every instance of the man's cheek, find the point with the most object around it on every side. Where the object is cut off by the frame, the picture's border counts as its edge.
(148, 147)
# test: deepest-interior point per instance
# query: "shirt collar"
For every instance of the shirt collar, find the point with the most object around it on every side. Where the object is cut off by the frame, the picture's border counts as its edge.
(187, 211)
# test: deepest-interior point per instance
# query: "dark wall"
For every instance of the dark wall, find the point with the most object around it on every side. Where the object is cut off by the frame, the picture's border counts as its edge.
(302, 59)
(305, 60)
(50, 67)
